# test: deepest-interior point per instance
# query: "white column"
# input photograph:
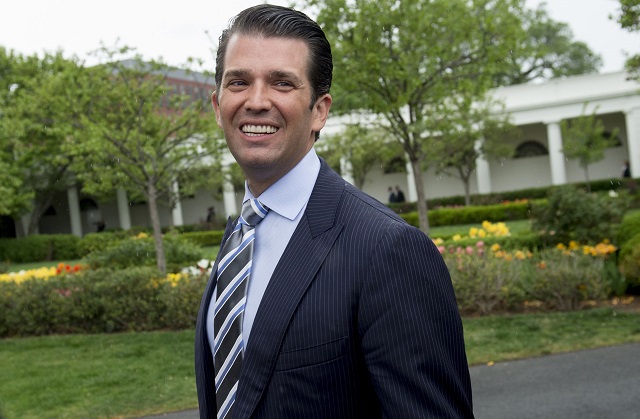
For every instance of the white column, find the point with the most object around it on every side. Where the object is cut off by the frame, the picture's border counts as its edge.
(346, 170)
(123, 209)
(176, 213)
(556, 156)
(483, 173)
(74, 211)
(412, 192)
(229, 198)
(632, 118)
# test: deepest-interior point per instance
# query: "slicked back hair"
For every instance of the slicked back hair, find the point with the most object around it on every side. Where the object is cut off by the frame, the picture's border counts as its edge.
(272, 21)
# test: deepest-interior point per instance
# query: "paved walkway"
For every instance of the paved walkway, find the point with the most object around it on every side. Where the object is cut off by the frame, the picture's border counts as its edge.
(596, 383)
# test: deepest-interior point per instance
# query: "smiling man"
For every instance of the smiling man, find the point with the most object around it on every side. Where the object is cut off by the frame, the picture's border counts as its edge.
(322, 303)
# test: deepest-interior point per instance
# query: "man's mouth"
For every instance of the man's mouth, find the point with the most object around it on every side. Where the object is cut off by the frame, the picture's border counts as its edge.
(254, 130)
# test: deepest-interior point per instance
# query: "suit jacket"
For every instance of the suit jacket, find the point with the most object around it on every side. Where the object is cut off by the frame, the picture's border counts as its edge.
(359, 320)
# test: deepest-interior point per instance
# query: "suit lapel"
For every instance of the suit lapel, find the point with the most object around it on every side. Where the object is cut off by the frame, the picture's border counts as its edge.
(303, 256)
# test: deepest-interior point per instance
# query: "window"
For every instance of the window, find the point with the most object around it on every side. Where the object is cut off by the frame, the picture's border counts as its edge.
(530, 148)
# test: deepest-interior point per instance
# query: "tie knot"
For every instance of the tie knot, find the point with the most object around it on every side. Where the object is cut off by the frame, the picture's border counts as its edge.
(253, 211)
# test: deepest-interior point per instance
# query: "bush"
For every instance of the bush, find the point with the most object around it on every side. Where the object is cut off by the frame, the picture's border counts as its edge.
(100, 301)
(204, 238)
(573, 214)
(472, 214)
(40, 248)
(629, 261)
(94, 242)
(629, 227)
(563, 280)
(483, 283)
(141, 252)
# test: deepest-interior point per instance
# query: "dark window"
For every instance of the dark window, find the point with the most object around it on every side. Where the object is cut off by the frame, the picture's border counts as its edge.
(530, 149)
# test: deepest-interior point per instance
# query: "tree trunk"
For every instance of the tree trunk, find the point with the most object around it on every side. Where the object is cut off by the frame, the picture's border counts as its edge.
(40, 207)
(157, 232)
(423, 216)
(586, 176)
(467, 192)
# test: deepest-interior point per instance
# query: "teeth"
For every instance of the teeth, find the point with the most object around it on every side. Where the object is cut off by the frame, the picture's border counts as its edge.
(258, 129)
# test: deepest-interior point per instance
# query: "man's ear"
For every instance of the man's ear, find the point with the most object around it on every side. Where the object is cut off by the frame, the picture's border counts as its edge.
(321, 111)
(216, 108)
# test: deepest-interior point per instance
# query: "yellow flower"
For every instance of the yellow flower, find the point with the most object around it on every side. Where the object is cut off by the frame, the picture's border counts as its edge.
(520, 255)
(456, 237)
(473, 232)
(560, 246)
(573, 245)
(495, 247)
(438, 241)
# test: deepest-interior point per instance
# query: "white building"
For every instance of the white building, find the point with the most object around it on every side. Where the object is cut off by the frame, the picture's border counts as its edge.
(536, 108)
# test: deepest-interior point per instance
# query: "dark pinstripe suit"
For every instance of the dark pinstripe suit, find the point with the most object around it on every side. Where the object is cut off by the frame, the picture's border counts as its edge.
(359, 320)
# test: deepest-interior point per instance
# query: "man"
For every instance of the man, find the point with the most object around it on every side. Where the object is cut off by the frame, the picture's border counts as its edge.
(349, 312)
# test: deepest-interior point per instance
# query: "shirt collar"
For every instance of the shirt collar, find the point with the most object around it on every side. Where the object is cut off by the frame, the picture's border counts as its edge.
(289, 195)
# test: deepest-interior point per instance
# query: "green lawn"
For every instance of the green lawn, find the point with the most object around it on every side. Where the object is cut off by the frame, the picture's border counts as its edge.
(136, 374)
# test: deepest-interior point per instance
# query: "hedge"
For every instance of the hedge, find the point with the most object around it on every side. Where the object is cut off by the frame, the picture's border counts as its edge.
(40, 248)
(99, 301)
(473, 214)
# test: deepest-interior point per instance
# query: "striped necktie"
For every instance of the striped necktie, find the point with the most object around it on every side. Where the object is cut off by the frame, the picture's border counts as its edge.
(234, 269)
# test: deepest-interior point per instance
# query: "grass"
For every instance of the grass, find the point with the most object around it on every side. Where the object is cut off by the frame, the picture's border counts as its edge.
(136, 374)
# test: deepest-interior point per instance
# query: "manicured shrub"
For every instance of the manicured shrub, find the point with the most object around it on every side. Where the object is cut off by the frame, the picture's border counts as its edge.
(629, 261)
(100, 301)
(573, 214)
(40, 248)
(204, 238)
(629, 227)
(472, 214)
(140, 251)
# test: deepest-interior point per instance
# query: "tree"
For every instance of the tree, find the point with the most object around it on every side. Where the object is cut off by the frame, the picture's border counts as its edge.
(398, 58)
(143, 134)
(469, 131)
(629, 19)
(547, 51)
(585, 140)
(363, 147)
(36, 122)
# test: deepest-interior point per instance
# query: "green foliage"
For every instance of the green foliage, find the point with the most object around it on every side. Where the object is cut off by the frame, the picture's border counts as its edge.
(629, 227)
(40, 248)
(585, 140)
(629, 19)
(470, 130)
(134, 251)
(364, 148)
(548, 51)
(99, 301)
(573, 214)
(473, 214)
(94, 242)
(153, 137)
(204, 238)
(458, 51)
(40, 104)
(567, 280)
(484, 284)
(629, 260)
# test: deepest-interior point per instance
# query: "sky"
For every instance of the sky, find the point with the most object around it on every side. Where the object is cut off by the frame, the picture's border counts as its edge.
(179, 29)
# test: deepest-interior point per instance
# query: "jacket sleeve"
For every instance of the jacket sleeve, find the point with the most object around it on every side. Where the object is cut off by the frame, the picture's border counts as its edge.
(411, 331)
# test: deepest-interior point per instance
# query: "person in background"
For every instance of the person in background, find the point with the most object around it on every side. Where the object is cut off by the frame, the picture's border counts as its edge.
(392, 196)
(626, 171)
(322, 302)
(399, 195)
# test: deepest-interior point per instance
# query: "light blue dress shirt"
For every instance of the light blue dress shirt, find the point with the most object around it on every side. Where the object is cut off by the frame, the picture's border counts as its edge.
(286, 200)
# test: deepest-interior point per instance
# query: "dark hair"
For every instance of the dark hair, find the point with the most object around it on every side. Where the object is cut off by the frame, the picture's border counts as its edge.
(282, 22)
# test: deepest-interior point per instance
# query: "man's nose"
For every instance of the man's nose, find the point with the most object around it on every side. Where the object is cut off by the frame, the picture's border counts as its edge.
(258, 98)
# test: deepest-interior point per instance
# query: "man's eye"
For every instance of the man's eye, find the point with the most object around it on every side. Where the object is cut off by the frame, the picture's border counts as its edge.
(236, 83)
(283, 84)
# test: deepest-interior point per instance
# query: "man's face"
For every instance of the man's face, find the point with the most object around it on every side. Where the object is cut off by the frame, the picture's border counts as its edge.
(263, 106)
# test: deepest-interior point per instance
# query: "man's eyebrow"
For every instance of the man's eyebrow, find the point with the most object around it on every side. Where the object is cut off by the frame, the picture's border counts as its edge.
(236, 73)
(281, 74)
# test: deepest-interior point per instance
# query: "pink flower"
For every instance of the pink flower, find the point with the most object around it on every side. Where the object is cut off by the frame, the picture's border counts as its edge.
(469, 250)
